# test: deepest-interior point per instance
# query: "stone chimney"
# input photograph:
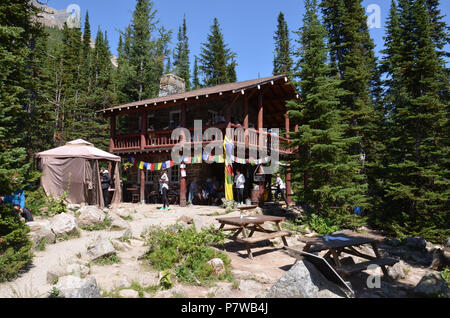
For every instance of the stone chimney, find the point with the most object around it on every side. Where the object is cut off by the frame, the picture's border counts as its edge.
(171, 84)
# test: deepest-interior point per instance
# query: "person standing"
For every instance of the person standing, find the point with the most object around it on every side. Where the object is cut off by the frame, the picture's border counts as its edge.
(281, 188)
(239, 181)
(106, 183)
(164, 185)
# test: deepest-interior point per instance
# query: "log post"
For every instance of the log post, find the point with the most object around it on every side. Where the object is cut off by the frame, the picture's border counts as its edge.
(143, 130)
(142, 186)
(112, 133)
(183, 179)
(260, 126)
(246, 120)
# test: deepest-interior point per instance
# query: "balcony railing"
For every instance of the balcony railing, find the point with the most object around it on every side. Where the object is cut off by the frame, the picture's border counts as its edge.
(163, 140)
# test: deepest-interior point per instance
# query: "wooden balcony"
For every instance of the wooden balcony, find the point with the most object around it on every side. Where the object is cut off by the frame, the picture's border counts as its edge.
(162, 140)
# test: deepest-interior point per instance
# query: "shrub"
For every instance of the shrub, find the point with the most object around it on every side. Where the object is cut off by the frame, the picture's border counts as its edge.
(186, 252)
(15, 245)
(41, 204)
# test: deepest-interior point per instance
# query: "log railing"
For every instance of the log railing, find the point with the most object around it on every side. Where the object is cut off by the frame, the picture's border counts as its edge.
(163, 139)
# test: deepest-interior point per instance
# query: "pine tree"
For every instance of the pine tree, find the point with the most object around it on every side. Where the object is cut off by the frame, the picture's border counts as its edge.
(417, 189)
(326, 175)
(217, 62)
(181, 56)
(18, 33)
(196, 79)
(142, 58)
(282, 62)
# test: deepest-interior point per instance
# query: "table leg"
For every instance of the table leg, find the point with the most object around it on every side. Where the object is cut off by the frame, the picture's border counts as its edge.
(249, 251)
(377, 253)
(307, 247)
(335, 257)
(283, 238)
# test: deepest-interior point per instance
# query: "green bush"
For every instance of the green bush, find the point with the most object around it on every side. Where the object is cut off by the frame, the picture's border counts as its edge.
(41, 204)
(321, 225)
(15, 245)
(186, 252)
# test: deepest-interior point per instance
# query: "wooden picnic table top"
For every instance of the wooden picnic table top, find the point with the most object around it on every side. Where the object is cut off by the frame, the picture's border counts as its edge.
(261, 219)
(353, 239)
(247, 207)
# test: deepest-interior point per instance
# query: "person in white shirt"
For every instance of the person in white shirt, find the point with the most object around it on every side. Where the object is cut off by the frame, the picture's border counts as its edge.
(164, 186)
(281, 188)
(239, 181)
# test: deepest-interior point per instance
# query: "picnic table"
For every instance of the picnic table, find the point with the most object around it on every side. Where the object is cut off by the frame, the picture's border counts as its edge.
(346, 243)
(253, 224)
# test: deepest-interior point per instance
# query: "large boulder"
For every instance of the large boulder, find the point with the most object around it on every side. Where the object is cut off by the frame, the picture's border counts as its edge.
(416, 243)
(64, 224)
(100, 248)
(304, 280)
(91, 215)
(432, 285)
(40, 231)
(76, 287)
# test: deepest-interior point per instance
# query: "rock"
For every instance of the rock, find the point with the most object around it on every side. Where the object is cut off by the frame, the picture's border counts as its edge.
(258, 211)
(75, 287)
(441, 259)
(397, 271)
(394, 242)
(303, 280)
(128, 293)
(77, 270)
(63, 224)
(123, 213)
(416, 243)
(430, 247)
(249, 287)
(136, 243)
(122, 282)
(447, 243)
(119, 223)
(100, 248)
(432, 285)
(40, 231)
(91, 215)
(54, 274)
(185, 219)
(218, 266)
(121, 246)
(342, 232)
(260, 277)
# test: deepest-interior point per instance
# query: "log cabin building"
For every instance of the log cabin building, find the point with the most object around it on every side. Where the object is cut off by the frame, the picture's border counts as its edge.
(143, 130)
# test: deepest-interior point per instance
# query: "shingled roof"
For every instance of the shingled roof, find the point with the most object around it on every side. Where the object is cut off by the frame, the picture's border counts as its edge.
(234, 88)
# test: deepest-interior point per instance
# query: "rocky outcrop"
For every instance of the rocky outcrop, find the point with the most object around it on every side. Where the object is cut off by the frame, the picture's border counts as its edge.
(397, 271)
(100, 248)
(91, 215)
(40, 231)
(432, 285)
(63, 224)
(75, 287)
(304, 280)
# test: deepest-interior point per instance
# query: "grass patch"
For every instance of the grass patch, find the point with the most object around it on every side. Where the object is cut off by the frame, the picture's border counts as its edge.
(184, 253)
(66, 237)
(107, 260)
(42, 244)
(127, 218)
(98, 227)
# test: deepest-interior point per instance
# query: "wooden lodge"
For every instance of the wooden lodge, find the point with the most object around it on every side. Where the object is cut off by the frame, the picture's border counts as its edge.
(143, 129)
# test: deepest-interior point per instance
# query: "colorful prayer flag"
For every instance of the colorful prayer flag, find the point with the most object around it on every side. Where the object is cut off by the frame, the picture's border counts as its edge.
(141, 165)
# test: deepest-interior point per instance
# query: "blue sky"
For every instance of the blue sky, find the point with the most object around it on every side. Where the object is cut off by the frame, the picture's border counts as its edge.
(248, 25)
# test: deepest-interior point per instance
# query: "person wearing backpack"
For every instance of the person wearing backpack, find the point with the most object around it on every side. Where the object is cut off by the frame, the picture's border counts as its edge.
(106, 183)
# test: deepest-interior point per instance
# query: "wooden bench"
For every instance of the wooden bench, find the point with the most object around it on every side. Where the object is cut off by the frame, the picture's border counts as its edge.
(260, 238)
(348, 270)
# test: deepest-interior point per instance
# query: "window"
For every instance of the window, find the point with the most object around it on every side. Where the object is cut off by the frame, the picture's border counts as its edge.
(175, 118)
(151, 122)
(174, 174)
(212, 116)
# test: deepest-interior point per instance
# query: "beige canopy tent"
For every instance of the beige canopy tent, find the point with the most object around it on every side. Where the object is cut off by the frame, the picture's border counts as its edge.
(74, 169)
